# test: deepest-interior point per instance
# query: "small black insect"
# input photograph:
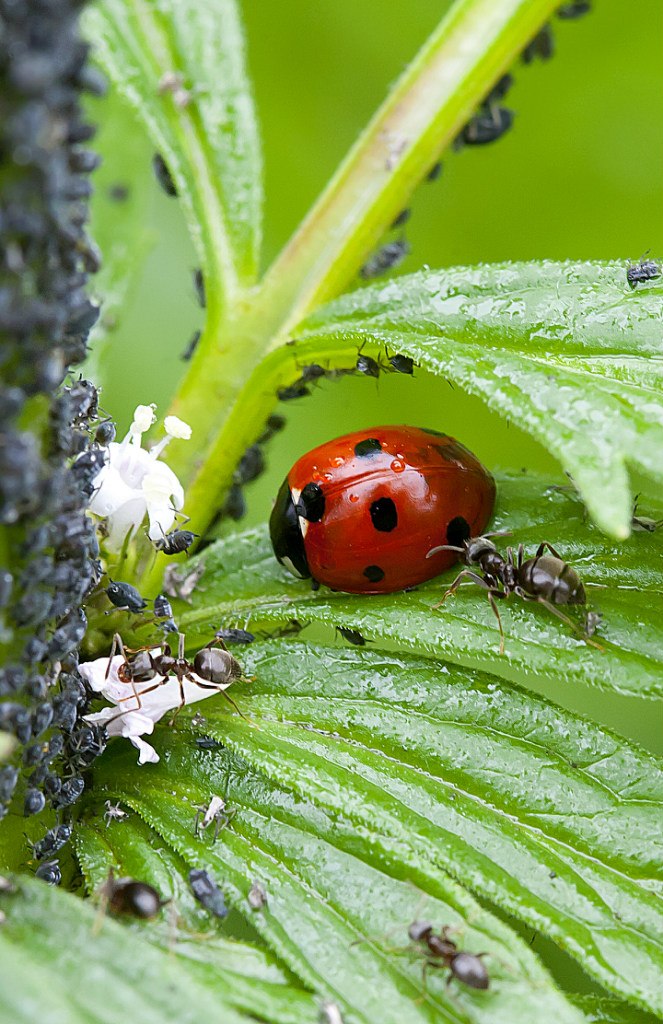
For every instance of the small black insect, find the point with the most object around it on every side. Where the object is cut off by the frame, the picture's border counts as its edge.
(273, 425)
(403, 218)
(440, 951)
(191, 346)
(175, 542)
(49, 872)
(645, 270)
(105, 433)
(644, 523)
(235, 504)
(234, 636)
(118, 193)
(488, 125)
(125, 597)
(251, 465)
(291, 392)
(499, 90)
(368, 366)
(401, 364)
(569, 12)
(386, 258)
(162, 608)
(33, 803)
(133, 898)
(199, 285)
(353, 636)
(207, 892)
(163, 175)
(53, 841)
(541, 46)
(208, 743)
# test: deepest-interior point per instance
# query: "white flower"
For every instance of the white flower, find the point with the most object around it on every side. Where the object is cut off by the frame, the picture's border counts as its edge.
(135, 709)
(133, 483)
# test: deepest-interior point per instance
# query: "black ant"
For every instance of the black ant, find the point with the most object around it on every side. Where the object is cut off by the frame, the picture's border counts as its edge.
(547, 579)
(441, 951)
(213, 664)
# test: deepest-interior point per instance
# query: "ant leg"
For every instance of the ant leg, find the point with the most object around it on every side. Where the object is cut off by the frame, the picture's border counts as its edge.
(182, 703)
(546, 546)
(117, 645)
(196, 822)
(491, 595)
(561, 616)
(218, 688)
(465, 574)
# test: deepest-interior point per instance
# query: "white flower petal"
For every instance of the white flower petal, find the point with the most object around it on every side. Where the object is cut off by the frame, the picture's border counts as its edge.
(94, 673)
(146, 753)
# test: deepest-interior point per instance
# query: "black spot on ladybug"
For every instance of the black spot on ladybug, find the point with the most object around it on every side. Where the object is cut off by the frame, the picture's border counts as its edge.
(365, 449)
(384, 515)
(449, 451)
(373, 573)
(458, 530)
(311, 504)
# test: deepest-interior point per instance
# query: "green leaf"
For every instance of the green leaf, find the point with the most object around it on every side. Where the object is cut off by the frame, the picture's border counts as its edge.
(623, 580)
(122, 190)
(244, 974)
(564, 350)
(335, 915)
(61, 963)
(354, 769)
(611, 1011)
(210, 143)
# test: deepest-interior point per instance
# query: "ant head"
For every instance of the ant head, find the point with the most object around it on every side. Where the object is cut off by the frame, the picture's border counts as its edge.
(419, 930)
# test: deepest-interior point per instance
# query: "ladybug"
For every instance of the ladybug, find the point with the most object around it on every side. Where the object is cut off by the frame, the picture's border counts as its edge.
(360, 513)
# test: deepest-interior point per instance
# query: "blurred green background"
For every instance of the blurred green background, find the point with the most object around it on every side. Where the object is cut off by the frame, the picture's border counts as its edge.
(577, 177)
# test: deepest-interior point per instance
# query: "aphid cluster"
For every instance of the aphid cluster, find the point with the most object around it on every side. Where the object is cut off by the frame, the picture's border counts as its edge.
(46, 455)
(250, 467)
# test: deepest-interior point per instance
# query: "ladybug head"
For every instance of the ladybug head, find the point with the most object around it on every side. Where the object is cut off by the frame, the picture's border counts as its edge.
(286, 535)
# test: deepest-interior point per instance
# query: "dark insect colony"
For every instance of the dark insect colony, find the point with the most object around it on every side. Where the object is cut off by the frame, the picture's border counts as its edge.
(46, 472)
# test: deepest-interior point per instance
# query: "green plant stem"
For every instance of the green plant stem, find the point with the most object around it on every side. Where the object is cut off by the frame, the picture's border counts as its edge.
(221, 397)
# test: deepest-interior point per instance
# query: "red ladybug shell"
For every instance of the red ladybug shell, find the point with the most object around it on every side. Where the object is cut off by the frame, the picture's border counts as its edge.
(361, 512)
